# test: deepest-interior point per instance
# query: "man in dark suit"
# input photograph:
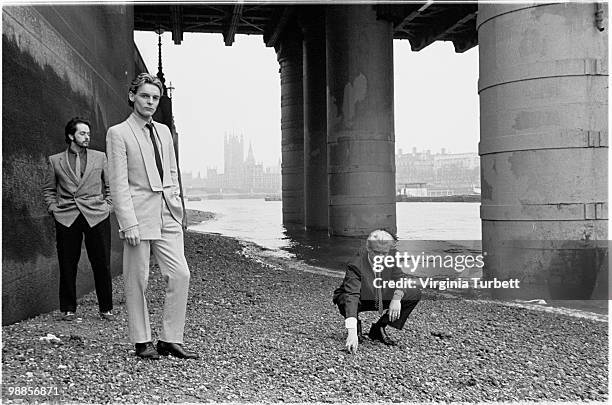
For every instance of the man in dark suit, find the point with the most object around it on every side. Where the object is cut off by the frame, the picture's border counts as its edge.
(77, 195)
(364, 289)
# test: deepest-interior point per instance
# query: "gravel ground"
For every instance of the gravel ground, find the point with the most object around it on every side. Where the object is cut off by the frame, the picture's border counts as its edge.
(266, 334)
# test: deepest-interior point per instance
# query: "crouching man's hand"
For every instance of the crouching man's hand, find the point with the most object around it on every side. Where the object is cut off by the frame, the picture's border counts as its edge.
(394, 310)
(352, 341)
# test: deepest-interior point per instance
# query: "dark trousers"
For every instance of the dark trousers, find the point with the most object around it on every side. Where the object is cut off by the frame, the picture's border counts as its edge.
(409, 301)
(97, 243)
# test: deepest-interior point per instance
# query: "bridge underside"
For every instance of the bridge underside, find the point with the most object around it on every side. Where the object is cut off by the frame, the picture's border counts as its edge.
(420, 23)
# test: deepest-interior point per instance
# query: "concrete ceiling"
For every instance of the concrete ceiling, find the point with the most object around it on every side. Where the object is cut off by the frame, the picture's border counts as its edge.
(421, 23)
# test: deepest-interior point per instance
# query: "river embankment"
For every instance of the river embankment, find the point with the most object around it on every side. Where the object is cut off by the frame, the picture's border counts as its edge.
(269, 332)
(195, 217)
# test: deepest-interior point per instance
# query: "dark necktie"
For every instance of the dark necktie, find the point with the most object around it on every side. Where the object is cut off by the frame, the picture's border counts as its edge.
(77, 166)
(378, 302)
(158, 161)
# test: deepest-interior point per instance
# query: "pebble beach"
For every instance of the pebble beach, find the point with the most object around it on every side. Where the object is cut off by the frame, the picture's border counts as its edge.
(271, 334)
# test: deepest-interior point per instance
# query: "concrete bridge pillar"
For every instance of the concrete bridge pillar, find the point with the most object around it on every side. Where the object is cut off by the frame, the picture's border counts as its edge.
(289, 55)
(360, 131)
(316, 201)
(543, 145)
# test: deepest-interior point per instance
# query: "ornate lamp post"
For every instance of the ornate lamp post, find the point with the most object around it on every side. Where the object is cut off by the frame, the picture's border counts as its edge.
(160, 74)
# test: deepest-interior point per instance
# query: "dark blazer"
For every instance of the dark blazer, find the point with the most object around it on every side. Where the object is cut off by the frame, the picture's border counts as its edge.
(358, 283)
(66, 197)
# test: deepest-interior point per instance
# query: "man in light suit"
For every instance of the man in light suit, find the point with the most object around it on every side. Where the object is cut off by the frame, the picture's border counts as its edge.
(145, 190)
(77, 195)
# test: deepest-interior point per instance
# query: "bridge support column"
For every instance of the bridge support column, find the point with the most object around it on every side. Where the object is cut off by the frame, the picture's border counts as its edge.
(543, 146)
(360, 131)
(315, 120)
(289, 55)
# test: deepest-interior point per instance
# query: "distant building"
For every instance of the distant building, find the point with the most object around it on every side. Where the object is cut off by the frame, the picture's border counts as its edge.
(458, 172)
(233, 161)
(189, 180)
(413, 189)
(414, 167)
(271, 180)
(214, 180)
(441, 173)
(242, 175)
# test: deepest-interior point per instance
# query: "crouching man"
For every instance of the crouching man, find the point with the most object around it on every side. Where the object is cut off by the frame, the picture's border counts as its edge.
(364, 289)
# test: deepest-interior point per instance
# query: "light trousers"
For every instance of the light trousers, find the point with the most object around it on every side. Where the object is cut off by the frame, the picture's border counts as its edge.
(169, 252)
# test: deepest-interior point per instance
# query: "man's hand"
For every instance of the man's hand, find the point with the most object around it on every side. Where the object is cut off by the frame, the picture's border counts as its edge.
(352, 341)
(394, 310)
(132, 236)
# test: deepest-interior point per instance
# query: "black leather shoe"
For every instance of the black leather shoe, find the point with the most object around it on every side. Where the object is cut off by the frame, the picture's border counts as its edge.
(175, 349)
(146, 351)
(378, 332)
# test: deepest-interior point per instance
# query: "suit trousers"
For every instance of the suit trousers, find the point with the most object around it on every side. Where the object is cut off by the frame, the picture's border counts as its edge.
(409, 301)
(97, 243)
(169, 252)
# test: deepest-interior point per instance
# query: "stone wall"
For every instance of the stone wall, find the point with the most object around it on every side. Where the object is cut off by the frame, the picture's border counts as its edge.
(57, 62)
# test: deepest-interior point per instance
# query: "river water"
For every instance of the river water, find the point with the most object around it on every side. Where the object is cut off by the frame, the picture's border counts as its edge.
(422, 227)
(260, 221)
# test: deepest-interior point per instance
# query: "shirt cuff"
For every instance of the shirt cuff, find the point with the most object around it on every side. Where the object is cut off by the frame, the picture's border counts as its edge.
(398, 295)
(128, 228)
(350, 323)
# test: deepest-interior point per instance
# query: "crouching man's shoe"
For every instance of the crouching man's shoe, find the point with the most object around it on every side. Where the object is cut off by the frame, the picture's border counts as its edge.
(378, 332)
(146, 351)
(176, 350)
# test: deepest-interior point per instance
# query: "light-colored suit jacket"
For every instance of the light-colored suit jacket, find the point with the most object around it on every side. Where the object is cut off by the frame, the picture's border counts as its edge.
(66, 196)
(136, 188)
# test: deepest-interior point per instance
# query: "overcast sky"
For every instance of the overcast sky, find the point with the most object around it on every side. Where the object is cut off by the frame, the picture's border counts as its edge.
(236, 89)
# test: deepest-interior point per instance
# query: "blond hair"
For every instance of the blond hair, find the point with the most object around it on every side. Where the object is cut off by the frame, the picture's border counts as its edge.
(380, 240)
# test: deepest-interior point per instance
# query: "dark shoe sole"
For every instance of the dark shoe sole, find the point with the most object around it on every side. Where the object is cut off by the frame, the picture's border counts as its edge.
(169, 353)
(148, 357)
(387, 342)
